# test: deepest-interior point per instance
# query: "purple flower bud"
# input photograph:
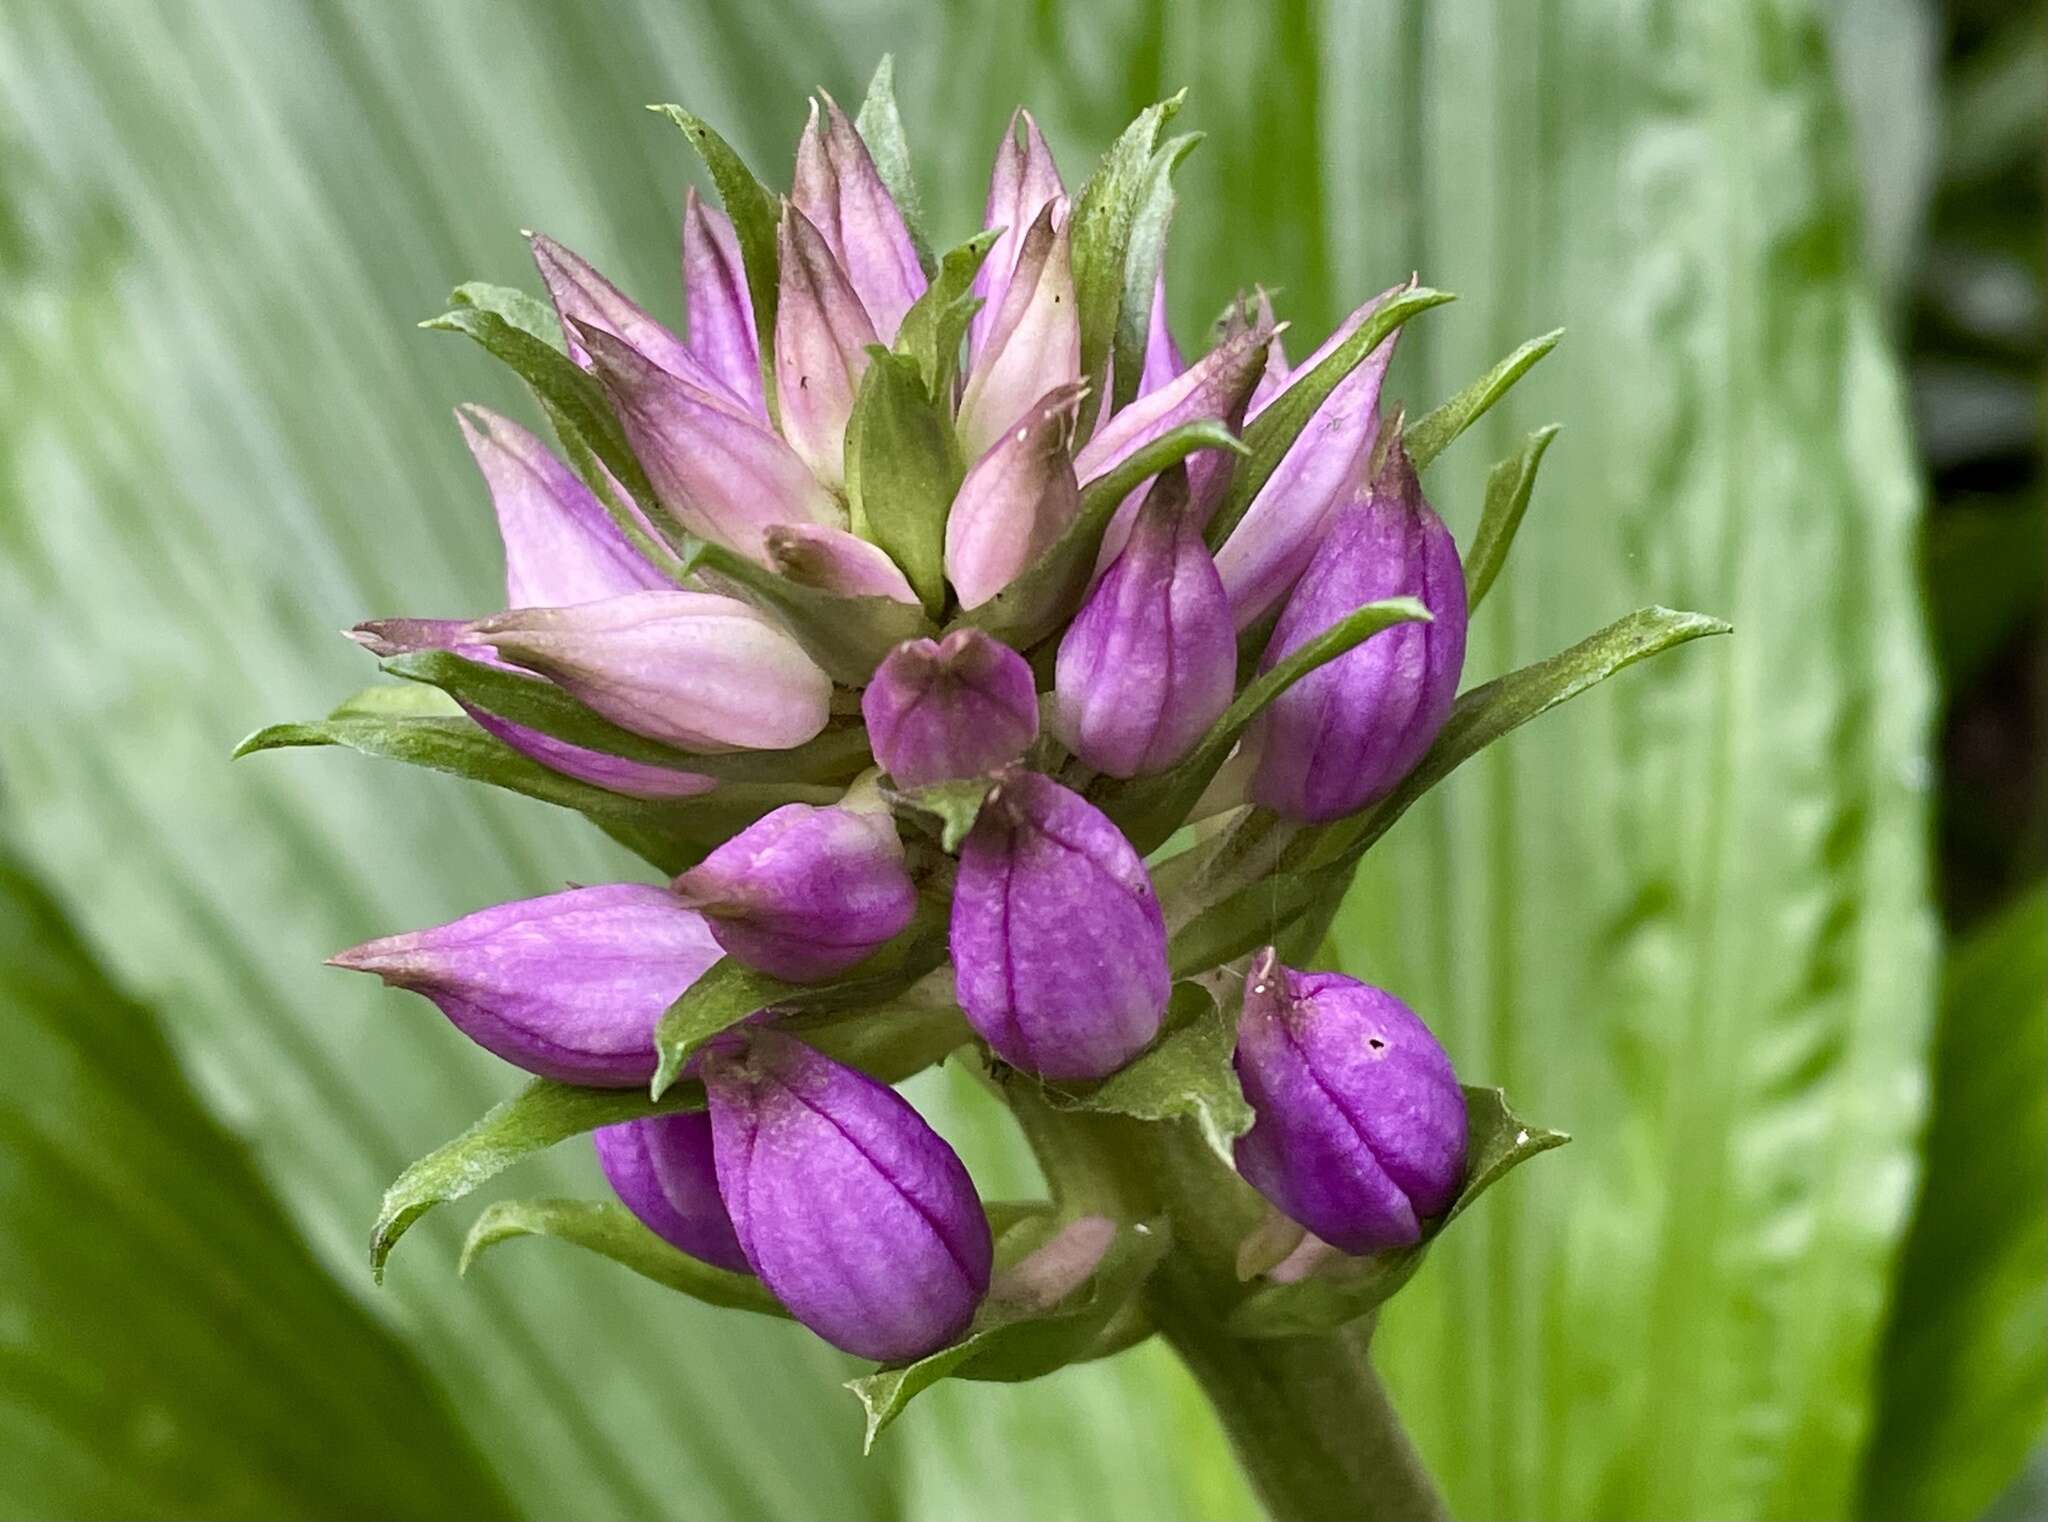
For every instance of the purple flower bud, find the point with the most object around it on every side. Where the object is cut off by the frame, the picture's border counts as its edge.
(723, 473)
(568, 986)
(560, 545)
(1360, 1130)
(1346, 733)
(1150, 661)
(696, 670)
(1274, 541)
(1016, 500)
(954, 707)
(662, 1170)
(852, 1210)
(839, 190)
(1024, 181)
(1216, 387)
(804, 893)
(584, 299)
(1059, 947)
(1162, 355)
(832, 560)
(1034, 342)
(721, 309)
(822, 334)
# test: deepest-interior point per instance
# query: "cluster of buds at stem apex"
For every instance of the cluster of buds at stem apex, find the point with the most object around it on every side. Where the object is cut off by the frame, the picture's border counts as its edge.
(1360, 1134)
(690, 624)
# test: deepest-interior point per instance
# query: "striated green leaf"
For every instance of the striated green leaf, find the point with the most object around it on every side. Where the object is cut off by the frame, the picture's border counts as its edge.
(1435, 431)
(1104, 217)
(1272, 433)
(612, 1231)
(754, 218)
(902, 468)
(1020, 1339)
(1186, 1074)
(1508, 487)
(936, 323)
(1962, 1384)
(1040, 601)
(1142, 261)
(1343, 1289)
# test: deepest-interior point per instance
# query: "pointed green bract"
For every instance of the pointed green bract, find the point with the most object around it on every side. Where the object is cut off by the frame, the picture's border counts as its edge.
(952, 805)
(937, 321)
(1185, 1075)
(525, 312)
(1508, 487)
(847, 636)
(612, 1231)
(880, 125)
(1499, 1141)
(902, 469)
(1142, 261)
(1433, 433)
(1103, 217)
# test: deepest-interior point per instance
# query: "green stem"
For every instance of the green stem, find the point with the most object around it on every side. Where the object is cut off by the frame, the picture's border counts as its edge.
(1307, 1416)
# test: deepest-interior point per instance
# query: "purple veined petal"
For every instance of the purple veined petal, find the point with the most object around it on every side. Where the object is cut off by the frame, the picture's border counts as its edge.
(721, 309)
(585, 299)
(568, 986)
(635, 779)
(1346, 733)
(838, 188)
(1059, 946)
(822, 337)
(960, 706)
(662, 1169)
(725, 476)
(1034, 343)
(1216, 387)
(1017, 499)
(692, 669)
(560, 544)
(832, 560)
(1361, 1132)
(805, 893)
(1163, 363)
(1150, 661)
(1279, 533)
(1024, 181)
(849, 1207)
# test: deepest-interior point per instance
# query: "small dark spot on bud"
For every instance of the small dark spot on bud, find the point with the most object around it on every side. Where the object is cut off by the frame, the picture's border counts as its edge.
(803, 383)
(1375, 1043)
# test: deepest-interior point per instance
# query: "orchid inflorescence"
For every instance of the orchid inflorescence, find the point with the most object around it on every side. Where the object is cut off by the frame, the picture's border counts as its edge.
(982, 675)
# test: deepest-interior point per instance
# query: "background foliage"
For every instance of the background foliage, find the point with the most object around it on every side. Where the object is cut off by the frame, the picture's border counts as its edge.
(1691, 921)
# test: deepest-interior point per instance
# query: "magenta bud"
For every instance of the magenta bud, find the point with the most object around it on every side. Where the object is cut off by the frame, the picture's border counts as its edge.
(1024, 181)
(838, 188)
(1034, 342)
(954, 707)
(852, 1210)
(822, 336)
(662, 1170)
(804, 893)
(721, 309)
(568, 986)
(1150, 661)
(832, 560)
(1059, 946)
(1346, 733)
(1360, 1130)
(721, 471)
(1163, 363)
(560, 544)
(1017, 499)
(584, 299)
(693, 669)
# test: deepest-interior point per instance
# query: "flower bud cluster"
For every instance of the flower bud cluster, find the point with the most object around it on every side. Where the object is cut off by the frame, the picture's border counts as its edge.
(802, 1170)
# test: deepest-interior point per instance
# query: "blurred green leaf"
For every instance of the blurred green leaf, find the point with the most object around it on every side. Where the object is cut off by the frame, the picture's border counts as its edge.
(1963, 1383)
(173, 1349)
